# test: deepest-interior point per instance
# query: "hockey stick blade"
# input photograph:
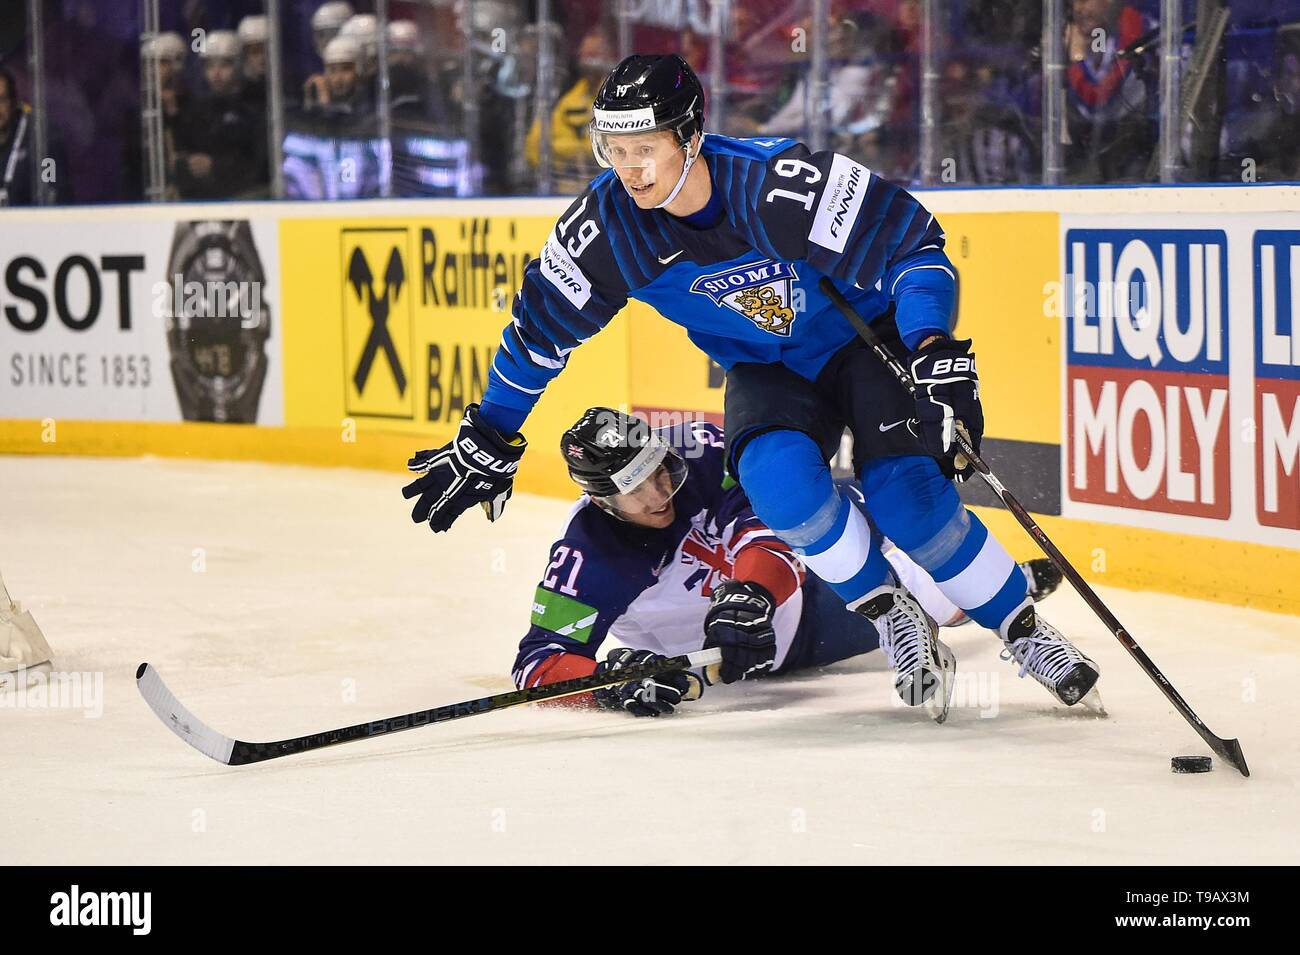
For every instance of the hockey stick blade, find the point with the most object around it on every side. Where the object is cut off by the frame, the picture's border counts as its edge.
(233, 752)
(1228, 749)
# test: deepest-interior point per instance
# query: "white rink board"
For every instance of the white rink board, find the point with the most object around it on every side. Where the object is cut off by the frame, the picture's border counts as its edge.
(282, 600)
(84, 309)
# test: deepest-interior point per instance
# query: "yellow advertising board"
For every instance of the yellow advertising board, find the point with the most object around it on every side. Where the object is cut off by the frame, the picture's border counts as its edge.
(395, 322)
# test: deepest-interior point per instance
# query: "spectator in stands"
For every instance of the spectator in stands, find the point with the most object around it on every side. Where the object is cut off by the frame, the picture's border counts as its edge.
(1261, 137)
(907, 27)
(1111, 131)
(252, 33)
(325, 25)
(1286, 117)
(1287, 91)
(984, 134)
(855, 83)
(332, 153)
(327, 21)
(221, 146)
(18, 163)
(404, 44)
(15, 144)
(490, 28)
(572, 163)
(168, 51)
(363, 28)
(515, 88)
(412, 93)
(346, 104)
(1013, 23)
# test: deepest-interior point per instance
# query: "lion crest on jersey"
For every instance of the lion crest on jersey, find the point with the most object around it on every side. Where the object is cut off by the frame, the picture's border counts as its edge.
(760, 291)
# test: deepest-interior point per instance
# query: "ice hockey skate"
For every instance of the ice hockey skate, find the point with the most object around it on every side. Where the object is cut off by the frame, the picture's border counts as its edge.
(1052, 660)
(924, 666)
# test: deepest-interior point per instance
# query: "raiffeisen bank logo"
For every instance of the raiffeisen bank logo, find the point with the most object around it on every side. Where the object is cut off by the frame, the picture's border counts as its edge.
(1147, 370)
(124, 909)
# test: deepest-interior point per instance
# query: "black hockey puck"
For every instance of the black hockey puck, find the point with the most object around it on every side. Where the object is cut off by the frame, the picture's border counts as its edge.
(1191, 764)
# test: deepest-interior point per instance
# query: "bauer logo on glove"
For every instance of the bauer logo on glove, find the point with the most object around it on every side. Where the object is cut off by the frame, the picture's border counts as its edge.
(478, 467)
(947, 397)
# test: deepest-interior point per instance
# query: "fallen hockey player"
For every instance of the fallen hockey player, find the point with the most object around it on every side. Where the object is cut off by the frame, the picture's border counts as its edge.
(665, 556)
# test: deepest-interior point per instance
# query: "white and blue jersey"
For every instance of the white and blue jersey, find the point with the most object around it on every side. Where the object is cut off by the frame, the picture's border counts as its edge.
(746, 288)
(649, 588)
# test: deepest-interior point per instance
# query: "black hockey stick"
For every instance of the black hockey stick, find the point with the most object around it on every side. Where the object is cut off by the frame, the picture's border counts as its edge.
(235, 752)
(1228, 749)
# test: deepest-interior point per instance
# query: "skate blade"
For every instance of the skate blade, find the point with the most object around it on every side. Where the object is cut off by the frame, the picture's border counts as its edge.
(1092, 703)
(939, 702)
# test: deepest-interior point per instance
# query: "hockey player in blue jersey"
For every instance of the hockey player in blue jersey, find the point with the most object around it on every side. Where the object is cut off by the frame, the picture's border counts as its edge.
(658, 533)
(729, 238)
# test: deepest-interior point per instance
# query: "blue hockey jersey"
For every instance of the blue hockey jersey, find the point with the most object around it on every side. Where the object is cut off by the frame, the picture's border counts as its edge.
(745, 289)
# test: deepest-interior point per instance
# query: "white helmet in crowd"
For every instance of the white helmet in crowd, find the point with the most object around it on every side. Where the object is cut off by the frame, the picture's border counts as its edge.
(221, 45)
(164, 46)
(331, 16)
(342, 49)
(487, 15)
(364, 29)
(403, 36)
(327, 20)
(252, 29)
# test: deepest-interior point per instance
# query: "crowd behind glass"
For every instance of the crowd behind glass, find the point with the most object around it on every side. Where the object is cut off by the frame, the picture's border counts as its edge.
(493, 97)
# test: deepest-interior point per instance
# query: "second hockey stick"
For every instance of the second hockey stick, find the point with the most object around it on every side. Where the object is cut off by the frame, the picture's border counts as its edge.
(234, 752)
(1228, 749)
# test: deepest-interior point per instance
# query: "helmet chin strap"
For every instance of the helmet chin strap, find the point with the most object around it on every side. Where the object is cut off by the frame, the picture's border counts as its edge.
(686, 168)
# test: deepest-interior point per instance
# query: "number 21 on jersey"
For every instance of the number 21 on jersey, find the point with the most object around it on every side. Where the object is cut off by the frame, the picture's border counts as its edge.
(553, 571)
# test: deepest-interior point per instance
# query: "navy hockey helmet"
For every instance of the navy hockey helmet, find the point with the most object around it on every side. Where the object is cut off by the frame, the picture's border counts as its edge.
(611, 456)
(645, 93)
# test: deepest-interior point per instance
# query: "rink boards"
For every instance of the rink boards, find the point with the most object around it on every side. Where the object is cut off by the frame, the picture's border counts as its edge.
(1140, 373)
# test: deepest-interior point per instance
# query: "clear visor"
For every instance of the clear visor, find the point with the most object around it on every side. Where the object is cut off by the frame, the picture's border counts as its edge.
(652, 495)
(625, 150)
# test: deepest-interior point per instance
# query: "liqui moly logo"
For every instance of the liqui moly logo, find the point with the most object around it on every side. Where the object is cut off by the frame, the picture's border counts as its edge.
(1276, 258)
(1147, 370)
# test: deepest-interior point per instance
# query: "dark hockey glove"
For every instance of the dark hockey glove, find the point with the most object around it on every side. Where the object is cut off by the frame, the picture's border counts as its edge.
(477, 467)
(947, 397)
(653, 696)
(739, 623)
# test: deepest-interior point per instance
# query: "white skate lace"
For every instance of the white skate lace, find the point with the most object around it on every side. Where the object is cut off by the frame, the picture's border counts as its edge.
(906, 647)
(1044, 653)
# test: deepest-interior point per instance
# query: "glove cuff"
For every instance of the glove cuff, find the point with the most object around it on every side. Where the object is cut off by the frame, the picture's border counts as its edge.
(510, 449)
(961, 345)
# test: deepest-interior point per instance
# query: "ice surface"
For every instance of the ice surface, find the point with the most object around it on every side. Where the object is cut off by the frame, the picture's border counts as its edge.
(277, 601)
